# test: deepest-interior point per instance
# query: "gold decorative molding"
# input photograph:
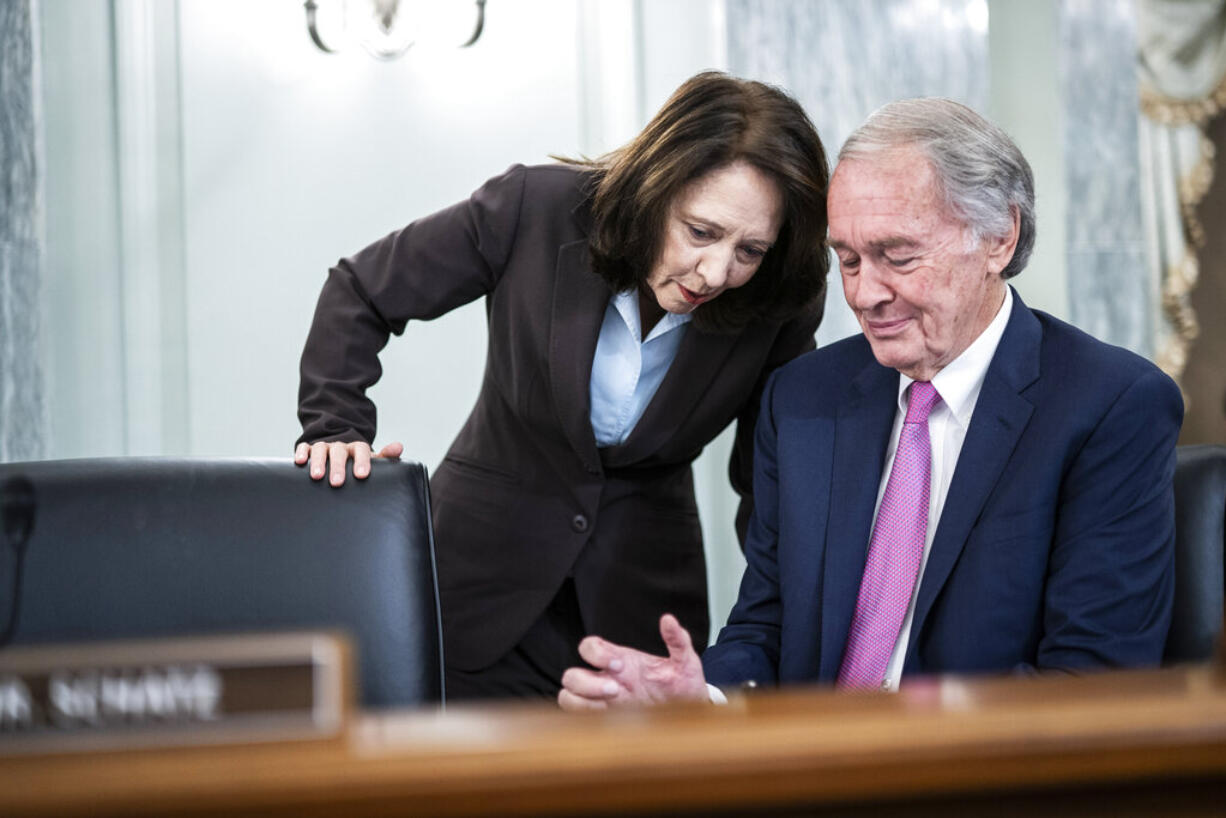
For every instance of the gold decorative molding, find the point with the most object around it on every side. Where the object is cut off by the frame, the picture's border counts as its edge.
(1173, 111)
(1177, 283)
(1194, 186)
(1179, 279)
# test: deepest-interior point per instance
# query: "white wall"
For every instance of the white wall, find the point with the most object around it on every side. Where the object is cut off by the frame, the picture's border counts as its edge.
(294, 158)
(83, 320)
(1024, 51)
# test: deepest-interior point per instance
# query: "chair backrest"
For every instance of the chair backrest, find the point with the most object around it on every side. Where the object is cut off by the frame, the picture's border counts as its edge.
(1200, 538)
(156, 547)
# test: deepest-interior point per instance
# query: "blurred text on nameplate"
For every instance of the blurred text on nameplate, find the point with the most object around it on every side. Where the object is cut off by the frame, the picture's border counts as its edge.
(172, 692)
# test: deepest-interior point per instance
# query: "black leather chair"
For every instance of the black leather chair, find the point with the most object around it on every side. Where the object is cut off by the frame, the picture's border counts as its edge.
(1200, 522)
(155, 547)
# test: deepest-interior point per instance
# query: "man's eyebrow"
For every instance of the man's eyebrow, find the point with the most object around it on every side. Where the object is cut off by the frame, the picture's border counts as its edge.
(889, 243)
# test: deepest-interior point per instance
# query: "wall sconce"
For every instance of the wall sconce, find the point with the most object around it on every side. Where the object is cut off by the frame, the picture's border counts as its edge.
(372, 24)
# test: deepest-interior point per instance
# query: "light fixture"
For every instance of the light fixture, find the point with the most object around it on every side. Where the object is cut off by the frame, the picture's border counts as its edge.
(375, 25)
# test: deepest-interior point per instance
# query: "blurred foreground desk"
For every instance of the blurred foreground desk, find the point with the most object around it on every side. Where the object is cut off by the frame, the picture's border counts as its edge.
(1120, 744)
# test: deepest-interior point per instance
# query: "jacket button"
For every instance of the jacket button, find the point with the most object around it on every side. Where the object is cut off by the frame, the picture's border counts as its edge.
(579, 523)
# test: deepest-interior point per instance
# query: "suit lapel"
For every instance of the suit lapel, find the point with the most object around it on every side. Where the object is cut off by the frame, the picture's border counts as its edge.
(1000, 417)
(862, 435)
(579, 301)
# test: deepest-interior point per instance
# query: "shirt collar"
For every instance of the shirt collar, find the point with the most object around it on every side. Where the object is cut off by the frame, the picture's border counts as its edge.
(959, 381)
(627, 305)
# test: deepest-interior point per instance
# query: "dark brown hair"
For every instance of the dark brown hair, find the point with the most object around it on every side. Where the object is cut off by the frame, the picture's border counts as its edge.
(709, 122)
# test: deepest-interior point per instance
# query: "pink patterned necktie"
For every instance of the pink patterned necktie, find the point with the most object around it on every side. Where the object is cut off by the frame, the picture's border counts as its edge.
(895, 551)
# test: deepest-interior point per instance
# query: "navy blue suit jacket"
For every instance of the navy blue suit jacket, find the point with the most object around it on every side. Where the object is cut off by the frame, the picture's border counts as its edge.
(1055, 546)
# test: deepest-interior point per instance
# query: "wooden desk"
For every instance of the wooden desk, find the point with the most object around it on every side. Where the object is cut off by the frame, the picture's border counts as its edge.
(1123, 744)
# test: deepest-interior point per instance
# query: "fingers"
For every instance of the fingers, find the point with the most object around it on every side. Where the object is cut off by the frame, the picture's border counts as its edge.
(590, 684)
(392, 450)
(569, 701)
(676, 639)
(338, 456)
(603, 655)
(330, 457)
(319, 459)
(361, 457)
(361, 460)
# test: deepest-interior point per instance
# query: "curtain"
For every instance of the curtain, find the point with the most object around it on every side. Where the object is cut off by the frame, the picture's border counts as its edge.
(1182, 79)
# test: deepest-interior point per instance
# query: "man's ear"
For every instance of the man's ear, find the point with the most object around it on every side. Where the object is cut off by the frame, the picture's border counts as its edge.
(1000, 248)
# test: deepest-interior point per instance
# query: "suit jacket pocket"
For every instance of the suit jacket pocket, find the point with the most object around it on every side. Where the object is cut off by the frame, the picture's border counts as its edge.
(680, 511)
(481, 470)
(1032, 524)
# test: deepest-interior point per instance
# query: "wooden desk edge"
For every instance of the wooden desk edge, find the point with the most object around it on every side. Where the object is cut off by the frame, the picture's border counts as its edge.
(780, 748)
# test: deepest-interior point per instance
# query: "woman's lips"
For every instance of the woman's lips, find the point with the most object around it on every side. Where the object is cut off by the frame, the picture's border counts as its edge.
(691, 296)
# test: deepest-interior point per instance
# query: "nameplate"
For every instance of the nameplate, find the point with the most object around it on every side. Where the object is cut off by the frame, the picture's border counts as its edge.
(201, 690)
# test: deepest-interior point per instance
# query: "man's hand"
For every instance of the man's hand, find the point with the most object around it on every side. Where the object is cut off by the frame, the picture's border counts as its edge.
(323, 453)
(627, 676)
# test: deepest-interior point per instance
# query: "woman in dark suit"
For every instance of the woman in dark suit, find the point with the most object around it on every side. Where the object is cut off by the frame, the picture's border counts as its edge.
(636, 305)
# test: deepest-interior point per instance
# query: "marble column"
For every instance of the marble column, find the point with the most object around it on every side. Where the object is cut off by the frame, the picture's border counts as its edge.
(22, 409)
(1111, 295)
(845, 58)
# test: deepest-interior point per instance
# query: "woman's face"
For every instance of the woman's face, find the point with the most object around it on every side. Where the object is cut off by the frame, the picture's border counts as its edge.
(719, 228)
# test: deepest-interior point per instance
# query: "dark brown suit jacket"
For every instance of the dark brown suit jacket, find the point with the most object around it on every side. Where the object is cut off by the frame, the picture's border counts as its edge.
(524, 497)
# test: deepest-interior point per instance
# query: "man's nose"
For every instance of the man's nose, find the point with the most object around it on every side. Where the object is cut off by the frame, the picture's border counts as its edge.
(868, 288)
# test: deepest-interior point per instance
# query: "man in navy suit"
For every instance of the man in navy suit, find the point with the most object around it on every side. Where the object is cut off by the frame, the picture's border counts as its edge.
(970, 486)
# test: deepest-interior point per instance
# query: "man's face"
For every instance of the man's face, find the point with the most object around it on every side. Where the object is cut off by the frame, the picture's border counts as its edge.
(921, 289)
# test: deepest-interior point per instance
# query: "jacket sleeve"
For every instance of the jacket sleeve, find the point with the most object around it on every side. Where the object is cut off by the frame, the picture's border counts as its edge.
(795, 338)
(422, 271)
(748, 647)
(1110, 584)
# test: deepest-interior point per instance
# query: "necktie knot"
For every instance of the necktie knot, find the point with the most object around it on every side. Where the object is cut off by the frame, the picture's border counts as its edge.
(922, 397)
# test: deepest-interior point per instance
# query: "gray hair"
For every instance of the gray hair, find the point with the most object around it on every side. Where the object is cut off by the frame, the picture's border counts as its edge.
(982, 174)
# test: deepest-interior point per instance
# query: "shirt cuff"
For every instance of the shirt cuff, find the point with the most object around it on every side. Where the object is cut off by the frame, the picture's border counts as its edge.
(717, 695)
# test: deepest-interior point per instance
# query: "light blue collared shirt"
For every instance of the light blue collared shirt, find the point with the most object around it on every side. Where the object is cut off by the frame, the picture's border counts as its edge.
(628, 369)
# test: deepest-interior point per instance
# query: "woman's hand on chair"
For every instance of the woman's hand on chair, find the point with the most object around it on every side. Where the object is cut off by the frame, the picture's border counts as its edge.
(329, 457)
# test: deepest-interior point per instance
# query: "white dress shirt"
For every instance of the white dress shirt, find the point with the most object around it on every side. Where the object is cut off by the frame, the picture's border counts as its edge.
(628, 369)
(958, 384)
